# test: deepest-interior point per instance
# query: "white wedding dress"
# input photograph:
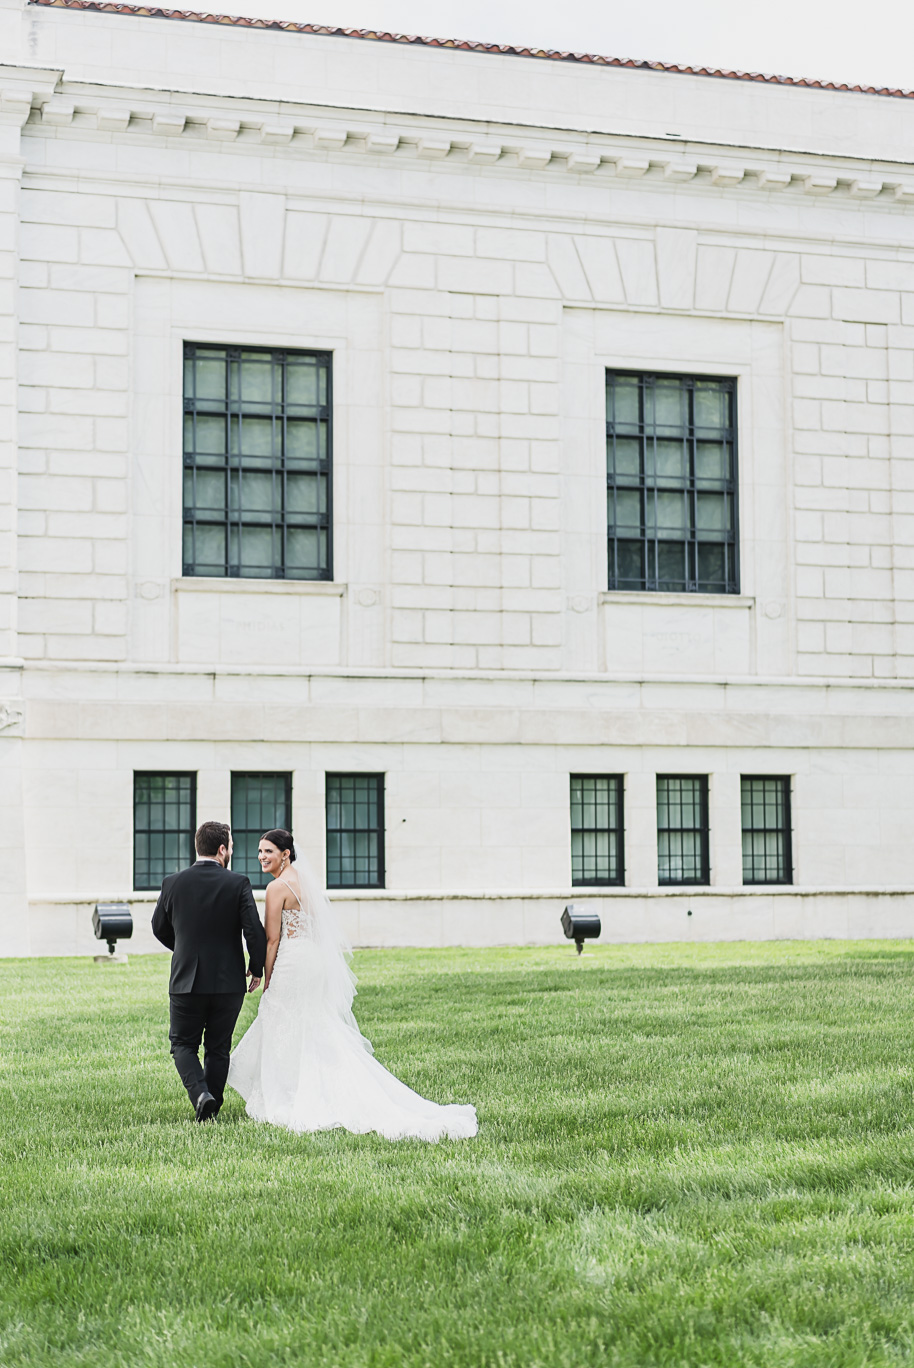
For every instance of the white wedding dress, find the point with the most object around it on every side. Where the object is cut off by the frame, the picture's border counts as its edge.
(304, 1064)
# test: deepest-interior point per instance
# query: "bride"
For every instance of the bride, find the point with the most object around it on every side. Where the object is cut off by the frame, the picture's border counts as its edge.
(304, 1063)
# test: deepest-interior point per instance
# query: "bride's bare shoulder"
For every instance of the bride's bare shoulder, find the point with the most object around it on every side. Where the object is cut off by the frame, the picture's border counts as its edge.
(282, 891)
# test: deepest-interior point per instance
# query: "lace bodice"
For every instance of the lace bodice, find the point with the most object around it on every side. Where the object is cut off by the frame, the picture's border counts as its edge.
(296, 921)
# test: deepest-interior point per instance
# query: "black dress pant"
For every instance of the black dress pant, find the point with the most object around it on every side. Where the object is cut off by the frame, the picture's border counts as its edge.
(209, 1017)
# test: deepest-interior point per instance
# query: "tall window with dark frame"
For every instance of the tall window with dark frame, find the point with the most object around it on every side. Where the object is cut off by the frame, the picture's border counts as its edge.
(767, 854)
(257, 463)
(164, 821)
(260, 802)
(355, 830)
(597, 833)
(671, 496)
(682, 829)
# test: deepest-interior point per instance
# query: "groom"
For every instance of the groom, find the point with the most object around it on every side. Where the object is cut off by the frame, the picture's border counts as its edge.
(201, 916)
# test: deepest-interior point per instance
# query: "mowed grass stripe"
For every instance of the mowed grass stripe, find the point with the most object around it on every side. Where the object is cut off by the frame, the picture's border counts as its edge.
(689, 1155)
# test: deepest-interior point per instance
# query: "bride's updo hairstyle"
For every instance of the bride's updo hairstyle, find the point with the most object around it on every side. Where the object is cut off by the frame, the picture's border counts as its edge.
(282, 841)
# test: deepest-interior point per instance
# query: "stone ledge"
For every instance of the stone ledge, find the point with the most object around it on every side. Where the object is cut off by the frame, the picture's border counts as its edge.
(203, 585)
(830, 683)
(644, 599)
(389, 919)
(693, 892)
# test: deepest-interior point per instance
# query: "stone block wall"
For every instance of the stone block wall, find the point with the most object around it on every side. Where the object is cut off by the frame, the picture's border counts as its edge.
(484, 453)
(474, 267)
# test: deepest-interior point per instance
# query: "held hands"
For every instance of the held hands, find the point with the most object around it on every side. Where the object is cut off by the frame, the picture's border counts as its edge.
(254, 983)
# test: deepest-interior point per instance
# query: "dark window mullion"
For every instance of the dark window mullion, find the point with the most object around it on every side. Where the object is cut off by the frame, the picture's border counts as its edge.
(757, 792)
(196, 501)
(328, 461)
(232, 458)
(151, 791)
(650, 541)
(227, 506)
(258, 555)
(277, 466)
(586, 871)
(691, 540)
(260, 801)
(227, 468)
(709, 557)
(650, 493)
(787, 827)
(363, 794)
(646, 553)
(283, 469)
(239, 475)
(682, 793)
(379, 836)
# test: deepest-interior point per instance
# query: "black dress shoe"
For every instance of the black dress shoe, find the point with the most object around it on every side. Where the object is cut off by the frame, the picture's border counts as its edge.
(206, 1106)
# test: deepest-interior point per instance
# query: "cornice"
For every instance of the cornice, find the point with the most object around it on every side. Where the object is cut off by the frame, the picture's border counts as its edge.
(257, 126)
(21, 89)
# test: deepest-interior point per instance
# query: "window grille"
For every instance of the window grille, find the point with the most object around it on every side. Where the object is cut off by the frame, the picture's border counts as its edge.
(596, 829)
(682, 829)
(260, 802)
(355, 830)
(671, 494)
(257, 463)
(164, 821)
(767, 855)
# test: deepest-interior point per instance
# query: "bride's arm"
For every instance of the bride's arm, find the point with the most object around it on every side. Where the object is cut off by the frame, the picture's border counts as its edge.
(273, 927)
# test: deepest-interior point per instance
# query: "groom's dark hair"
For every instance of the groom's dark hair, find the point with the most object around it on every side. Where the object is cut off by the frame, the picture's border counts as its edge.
(210, 836)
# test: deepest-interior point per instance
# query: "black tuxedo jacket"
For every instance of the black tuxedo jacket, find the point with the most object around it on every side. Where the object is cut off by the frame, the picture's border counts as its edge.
(201, 915)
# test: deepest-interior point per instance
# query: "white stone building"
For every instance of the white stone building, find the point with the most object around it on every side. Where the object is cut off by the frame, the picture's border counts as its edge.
(306, 347)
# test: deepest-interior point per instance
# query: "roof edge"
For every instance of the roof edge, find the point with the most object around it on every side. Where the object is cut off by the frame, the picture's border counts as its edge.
(498, 49)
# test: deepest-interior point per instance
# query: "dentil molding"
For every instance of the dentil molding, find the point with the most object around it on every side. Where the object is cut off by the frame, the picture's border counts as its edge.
(309, 131)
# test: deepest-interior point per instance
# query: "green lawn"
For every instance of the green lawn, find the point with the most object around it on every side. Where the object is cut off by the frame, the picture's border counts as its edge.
(688, 1155)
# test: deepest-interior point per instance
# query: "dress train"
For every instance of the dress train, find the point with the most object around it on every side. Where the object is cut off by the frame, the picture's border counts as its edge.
(304, 1064)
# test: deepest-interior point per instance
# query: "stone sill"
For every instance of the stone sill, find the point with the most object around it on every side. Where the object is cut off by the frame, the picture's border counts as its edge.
(532, 895)
(202, 585)
(830, 683)
(645, 597)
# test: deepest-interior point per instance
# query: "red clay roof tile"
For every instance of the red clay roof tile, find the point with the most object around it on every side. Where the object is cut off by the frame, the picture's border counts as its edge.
(504, 49)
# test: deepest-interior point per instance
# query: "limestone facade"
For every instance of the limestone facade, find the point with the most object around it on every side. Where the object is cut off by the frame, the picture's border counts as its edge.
(475, 238)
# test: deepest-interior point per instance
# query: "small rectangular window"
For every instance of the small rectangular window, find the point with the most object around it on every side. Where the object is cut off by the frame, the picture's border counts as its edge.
(260, 802)
(682, 829)
(671, 483)
(767, 856)
(355, 830)
(596, 829)
(257, 462)
(164, 821)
